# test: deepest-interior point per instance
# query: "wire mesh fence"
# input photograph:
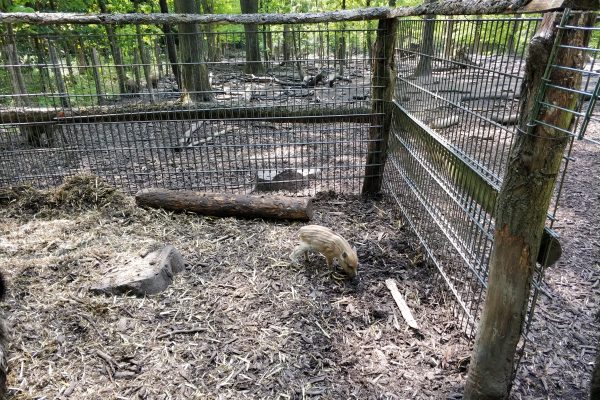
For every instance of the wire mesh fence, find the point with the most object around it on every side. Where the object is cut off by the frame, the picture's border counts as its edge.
(142, 106)
(456, 115)
(457, 108)
(187, 110)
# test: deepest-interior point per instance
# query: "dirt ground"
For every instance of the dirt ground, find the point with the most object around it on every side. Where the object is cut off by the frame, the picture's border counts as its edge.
(251, 325)
(558, 362)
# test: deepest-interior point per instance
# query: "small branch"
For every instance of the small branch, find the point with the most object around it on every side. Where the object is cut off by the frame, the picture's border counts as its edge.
(181, 332)
(406, 314)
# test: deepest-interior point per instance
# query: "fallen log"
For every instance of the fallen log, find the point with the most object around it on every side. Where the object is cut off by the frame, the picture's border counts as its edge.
(227, 205)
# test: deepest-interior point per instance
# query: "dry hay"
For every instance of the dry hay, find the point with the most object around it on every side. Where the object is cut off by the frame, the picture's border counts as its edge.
(239, 322)
(77, 193)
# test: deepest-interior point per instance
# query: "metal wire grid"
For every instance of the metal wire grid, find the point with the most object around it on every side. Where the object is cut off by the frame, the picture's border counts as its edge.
(457, 102)
(72, 113)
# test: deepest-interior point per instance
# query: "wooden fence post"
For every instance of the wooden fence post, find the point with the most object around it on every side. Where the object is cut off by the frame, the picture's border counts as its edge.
(522, 204)
(382, 93)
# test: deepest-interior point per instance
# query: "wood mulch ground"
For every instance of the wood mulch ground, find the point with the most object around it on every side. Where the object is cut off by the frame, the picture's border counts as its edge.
(240, 322)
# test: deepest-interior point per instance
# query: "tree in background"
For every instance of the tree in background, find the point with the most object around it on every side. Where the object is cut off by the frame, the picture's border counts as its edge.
(208, 7)
(253, 64)
(170, 43)
(424, 65)
(194, 73)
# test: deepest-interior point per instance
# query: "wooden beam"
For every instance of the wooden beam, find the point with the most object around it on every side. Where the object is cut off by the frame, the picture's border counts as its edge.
(163, 111)
(449, 7)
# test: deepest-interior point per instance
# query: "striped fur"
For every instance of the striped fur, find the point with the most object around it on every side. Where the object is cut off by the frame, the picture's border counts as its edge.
(331, 245)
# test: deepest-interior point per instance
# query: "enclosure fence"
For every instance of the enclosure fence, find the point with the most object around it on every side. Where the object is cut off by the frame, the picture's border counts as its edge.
(453, 125)
(76, 98)
(293, 109)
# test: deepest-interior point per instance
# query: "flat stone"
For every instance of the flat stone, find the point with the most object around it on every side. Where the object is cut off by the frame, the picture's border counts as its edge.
(149, 273)
(287, 179)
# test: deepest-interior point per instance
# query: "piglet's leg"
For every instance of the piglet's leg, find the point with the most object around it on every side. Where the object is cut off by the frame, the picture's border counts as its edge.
(329, 261)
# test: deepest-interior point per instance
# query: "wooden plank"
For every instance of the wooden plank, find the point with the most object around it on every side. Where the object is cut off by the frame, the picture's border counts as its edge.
(406, 313)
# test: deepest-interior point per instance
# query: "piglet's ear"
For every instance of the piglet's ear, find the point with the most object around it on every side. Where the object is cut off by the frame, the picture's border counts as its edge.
(344, 255)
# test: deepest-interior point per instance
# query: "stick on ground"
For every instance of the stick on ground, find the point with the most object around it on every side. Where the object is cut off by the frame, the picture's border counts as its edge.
(406, 314)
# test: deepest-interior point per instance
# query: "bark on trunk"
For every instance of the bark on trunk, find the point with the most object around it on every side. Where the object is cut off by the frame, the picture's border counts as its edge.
(514, 32)
(170, 43)
(194, 73)
(60, 82)
(115, 50)
(449, 40)
(384, 82)
(521, 209)
(253, 64)
(287, 44)
(424, 65)
(227, 205)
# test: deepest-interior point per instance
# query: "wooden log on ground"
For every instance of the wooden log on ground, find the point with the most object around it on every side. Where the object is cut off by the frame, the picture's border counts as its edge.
(227, 205)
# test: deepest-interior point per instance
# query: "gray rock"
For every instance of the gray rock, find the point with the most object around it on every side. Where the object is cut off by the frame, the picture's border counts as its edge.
(287, 179)
(150, 273)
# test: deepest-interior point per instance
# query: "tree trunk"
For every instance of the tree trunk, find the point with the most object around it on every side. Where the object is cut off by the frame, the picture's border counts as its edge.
(369, 34)
(136, 72)
(449, 40)
(170, 42)
(341, 52)
(514, 32)
(287, 44)
(60, 82)
(296, 43)
(194, 73)
(41, 61)
(227, 205)
(383, 84)
(477, 36)
(97, 75)
(253, 64)
(115, 50)
(521, 208)
(208, 7)
(145, 58)
(424, 65)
